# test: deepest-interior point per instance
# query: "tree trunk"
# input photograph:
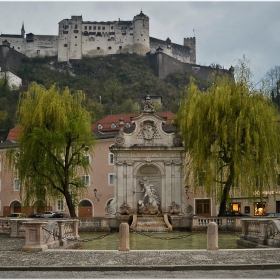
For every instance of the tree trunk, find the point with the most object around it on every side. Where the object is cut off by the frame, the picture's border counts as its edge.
(70, 205)
(225, 195)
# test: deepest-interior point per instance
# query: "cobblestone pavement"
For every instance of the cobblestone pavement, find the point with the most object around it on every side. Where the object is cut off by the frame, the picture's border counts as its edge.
(246, 263)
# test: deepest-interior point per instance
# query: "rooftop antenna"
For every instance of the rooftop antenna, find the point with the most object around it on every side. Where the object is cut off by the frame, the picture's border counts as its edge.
(193, 33)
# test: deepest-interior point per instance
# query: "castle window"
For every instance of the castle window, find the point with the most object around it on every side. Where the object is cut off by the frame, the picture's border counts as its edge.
(103, 28)
(76, 31)
(76, 26)
(75, 45)
(65, 32)
(123, 33)
(89, 27)
(98, 48)
(98, 34)
(99, 28)
(109, 48)
(85, 27)
(65, 45)
(19, 48)
(38, 51)
(100, 126)
(75, 36)
(94, 27)
(120, 47)
(112, 27)
(127, 125)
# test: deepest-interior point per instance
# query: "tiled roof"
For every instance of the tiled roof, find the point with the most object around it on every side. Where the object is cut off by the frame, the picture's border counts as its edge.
(107, 123)
(107, 131)
(8, 144)
(13, 133)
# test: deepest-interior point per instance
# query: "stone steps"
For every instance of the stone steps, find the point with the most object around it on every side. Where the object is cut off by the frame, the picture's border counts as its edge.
(149, 223)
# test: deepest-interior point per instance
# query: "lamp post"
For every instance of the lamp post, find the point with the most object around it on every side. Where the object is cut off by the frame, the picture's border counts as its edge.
(95, 192)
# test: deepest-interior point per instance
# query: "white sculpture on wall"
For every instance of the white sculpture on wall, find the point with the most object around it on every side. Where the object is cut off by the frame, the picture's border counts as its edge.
(152, 207)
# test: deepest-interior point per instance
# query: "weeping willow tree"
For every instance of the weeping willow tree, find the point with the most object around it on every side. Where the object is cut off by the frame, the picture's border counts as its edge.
(54, 144)
(232, 135)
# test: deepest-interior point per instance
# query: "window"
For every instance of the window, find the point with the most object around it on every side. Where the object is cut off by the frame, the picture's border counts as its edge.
(202, 207)
(100, 126)
(16, 185)
(120, 47)
(65, 32)
(201, 179)
(65, 45)
(111, 179)
(111, 158)
(99, 28)
(75, 36)
(87, 159)
(85, 27)
(60, 205)
(247, 209)
(76, 31)
(98, 48)
(113, 125)
(94, 27)
(103, 28)
(76, 26)
(86, 180)
(112, 27)
(89, 28)
(259, 208)
(127, 125)
(109, 47)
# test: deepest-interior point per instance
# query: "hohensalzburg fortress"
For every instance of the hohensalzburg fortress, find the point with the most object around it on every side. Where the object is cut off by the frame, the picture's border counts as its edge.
(77, 39)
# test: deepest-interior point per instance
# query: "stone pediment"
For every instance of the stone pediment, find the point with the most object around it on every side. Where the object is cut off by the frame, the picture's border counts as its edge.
(148, 131)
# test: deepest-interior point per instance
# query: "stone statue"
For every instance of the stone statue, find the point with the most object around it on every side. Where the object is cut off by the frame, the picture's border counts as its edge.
(125, 209)
(174, 208)
(153, 200)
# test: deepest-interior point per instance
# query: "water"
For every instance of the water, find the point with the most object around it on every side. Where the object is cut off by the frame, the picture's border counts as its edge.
(141, 242)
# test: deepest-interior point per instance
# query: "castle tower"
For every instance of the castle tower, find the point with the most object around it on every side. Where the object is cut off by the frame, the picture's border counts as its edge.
(141, 36)
(22, 30)
(191, 43)
(70, 39)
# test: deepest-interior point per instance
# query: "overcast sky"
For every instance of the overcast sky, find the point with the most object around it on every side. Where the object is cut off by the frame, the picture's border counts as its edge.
(224, 31)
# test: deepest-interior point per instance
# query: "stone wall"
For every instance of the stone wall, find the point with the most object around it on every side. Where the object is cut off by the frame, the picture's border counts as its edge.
(10, 59)
(165, 65)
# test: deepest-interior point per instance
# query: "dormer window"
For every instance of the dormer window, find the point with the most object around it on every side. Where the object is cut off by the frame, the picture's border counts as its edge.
(100, 126)
(113, 125)
(127, 125)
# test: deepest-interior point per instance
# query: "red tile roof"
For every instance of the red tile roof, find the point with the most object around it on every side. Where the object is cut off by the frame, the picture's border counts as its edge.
(107, 121)
(13, 134)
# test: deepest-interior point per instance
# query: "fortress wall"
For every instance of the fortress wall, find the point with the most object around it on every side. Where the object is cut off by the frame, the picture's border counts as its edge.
(10, 58)
(18, 44)
(43, 45)
(179, 52)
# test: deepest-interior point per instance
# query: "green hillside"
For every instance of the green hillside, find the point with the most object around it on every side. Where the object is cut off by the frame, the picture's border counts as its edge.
(113, 84)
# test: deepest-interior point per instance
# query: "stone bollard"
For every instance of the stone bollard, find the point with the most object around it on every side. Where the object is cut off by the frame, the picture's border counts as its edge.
(212, 236)
(124, 237)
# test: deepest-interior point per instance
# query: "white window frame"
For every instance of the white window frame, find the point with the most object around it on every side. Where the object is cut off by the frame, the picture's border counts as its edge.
(16, 184)
(111, 179)
(111, 159)
(86, 179)
(60, 205)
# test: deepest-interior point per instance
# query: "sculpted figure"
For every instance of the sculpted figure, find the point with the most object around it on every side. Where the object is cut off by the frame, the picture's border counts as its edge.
(174, 208)
(151, 195)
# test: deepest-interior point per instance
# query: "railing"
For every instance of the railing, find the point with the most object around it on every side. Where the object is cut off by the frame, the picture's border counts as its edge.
(230, 223)
(260, 232)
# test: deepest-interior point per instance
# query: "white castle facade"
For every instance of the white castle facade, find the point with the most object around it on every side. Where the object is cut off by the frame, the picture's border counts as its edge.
(77, 39)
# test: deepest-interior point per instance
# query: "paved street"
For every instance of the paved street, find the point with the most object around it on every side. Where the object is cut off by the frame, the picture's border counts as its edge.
(155, 274)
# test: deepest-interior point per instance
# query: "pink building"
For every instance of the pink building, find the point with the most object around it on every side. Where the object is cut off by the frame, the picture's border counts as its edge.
(100, 180)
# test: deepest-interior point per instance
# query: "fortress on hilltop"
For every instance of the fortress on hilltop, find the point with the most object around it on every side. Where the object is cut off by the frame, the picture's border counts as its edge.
(77, 39)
